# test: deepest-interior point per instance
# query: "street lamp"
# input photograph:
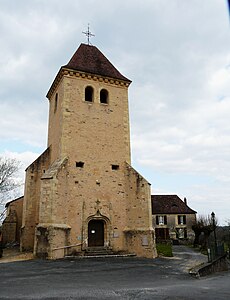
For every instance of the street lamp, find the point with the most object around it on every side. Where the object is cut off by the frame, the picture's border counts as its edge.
(214, 230)
(229, 243)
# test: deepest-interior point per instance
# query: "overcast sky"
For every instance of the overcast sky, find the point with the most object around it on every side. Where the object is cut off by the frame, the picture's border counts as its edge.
(177, 54)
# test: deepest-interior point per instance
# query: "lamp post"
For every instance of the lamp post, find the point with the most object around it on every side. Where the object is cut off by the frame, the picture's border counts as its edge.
(214, 230)
(229, 243)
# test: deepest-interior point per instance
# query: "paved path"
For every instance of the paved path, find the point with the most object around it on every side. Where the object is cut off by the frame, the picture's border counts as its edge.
(188, 258)
(112, 279)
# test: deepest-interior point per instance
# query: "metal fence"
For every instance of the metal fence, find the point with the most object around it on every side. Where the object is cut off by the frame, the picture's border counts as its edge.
(215, 251)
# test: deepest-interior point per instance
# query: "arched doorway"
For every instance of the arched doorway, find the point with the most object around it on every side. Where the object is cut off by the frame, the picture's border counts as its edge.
(96, 229)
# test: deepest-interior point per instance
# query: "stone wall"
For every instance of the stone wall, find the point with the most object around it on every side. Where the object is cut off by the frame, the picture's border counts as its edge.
(31, 204)
(11, 226)
(139, 233)
(218, 265)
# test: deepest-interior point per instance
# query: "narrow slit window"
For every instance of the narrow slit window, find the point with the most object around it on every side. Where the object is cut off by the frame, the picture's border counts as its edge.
(115, 167)
(80, 164)
(104, 96)
(89, 94)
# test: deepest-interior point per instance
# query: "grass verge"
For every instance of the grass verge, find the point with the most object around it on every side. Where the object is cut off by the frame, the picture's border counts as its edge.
(164, 249)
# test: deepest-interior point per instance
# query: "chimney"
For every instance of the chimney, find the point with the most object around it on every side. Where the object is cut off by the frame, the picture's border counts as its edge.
(185, 201)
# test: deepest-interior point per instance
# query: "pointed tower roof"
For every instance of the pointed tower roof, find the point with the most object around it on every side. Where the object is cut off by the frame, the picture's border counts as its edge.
(90, 59)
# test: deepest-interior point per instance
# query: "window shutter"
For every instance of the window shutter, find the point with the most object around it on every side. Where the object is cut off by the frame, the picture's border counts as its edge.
(165, 220)
(157, 220)
(184, 219)
(178, 220)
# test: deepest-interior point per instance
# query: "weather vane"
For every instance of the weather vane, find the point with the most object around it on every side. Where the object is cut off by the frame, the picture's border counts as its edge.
(88, 34)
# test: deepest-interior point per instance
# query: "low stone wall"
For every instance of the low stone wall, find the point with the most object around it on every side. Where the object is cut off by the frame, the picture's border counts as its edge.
(218, 265)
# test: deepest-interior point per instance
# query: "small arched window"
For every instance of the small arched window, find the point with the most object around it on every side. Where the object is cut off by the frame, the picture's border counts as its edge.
(104, 96)
(89, 94)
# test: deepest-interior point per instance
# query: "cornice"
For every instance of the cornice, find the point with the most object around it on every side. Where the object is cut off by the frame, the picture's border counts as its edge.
(79, 74)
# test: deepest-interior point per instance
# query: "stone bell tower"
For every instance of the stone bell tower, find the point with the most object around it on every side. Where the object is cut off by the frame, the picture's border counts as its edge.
(82, 192)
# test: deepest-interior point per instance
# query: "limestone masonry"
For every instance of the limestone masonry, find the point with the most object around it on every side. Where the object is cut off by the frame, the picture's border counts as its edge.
(82, 192)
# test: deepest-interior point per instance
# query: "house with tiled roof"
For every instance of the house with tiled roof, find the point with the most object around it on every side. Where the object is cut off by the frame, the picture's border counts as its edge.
(172, 218)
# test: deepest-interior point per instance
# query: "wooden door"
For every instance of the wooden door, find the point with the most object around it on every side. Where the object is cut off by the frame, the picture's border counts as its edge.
(96, 233)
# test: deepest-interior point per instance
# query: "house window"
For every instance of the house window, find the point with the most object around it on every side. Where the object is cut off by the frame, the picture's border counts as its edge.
(182, 220)
(89, 94)
(104, 96)
(161, 220)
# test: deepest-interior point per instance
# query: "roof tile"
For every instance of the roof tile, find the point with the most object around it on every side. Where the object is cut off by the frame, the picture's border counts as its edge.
(169, 204)
(90, 59)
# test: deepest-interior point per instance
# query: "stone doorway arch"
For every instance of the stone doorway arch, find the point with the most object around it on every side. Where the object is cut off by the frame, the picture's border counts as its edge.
(102, 226)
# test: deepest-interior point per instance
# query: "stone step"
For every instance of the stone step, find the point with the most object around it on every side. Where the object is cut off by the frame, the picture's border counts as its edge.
(73, 257)
(97, 253)
(93, 249)
(100, 252)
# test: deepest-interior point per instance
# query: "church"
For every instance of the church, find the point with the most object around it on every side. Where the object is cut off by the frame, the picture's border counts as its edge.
(81, 193)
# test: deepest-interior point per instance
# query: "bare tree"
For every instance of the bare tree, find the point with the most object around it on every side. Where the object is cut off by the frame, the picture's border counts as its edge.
(8, 169)
(204, 224)
(198, 229)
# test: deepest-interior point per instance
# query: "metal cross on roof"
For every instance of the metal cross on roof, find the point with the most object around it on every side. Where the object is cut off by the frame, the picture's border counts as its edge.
(88, 34)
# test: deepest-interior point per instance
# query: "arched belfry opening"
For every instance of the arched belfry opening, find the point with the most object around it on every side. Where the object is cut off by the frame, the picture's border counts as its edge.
(104, 96)
(96, 233)
(89, 94)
